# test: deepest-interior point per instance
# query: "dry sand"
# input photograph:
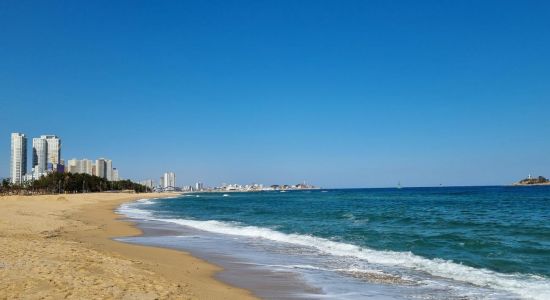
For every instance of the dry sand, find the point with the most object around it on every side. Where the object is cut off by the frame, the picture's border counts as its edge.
(60, 246)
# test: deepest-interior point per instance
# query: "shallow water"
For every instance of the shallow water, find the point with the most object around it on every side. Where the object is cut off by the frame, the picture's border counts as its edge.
(427, 243)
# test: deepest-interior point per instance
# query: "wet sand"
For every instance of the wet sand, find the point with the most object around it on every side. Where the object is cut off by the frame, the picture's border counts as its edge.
(266, 283)
(60, 246)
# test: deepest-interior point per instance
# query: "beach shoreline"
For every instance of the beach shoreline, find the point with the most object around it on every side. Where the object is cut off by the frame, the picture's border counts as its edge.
(62, 246)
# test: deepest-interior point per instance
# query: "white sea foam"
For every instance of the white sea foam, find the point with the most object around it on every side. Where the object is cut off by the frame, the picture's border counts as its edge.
(528, 286)
(524, 285)
(349, 216)
(147, 201)
(131, 211)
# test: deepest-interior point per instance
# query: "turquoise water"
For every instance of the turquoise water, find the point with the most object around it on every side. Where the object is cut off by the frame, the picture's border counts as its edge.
(483, 239)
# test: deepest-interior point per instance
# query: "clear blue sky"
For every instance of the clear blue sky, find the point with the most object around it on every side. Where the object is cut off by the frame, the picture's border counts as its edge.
(339, 93)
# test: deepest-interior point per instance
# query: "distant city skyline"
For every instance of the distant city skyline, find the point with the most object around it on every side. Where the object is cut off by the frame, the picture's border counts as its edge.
(46, 158)
(341, 94)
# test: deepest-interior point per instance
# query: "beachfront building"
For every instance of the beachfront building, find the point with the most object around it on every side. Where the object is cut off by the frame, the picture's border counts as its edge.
(18, 158)
(148, 183)
(46, 155)
(104, 169)
(115, 176)
(199, 186)
(73, 166)
(109, 169)
(39, 155)
(53, 152)
(169, 180)
(100, 167)
(87, 166)
(83, 166)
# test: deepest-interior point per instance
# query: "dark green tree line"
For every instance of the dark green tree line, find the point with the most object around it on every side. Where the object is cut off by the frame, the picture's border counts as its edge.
(55, 183)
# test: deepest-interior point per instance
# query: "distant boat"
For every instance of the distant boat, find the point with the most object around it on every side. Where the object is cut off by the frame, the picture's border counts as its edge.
(226, 195)
(399, 185)
(283, 191)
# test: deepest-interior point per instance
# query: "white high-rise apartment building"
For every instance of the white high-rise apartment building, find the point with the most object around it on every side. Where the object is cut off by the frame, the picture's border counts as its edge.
(73, 166)
(115, 175)
(39, 155)
(104, 169)
(100, 168)
(46, 153)
(54, 149)
(169, 180)
(87, 166)
(148, 183)
(109, 169)
(83, 166)
(18, 163)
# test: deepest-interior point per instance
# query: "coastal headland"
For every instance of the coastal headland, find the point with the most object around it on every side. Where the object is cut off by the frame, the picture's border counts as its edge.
(61, 246)
(540, 180)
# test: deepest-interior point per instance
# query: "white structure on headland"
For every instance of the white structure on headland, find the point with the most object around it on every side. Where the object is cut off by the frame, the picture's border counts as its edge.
(169, 180)
(18, 161)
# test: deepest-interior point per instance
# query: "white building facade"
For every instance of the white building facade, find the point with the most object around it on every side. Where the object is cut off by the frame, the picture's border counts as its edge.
(83, 166)
(54, 149)
(115, 176)
(18, 158)
(148, 183)
(109, 169)
(39, 155)
(104, 169)
(87, 166)
(100, 167)
(169, 180)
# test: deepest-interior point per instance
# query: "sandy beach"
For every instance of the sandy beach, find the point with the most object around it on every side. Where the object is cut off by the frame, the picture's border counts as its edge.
(60, 246)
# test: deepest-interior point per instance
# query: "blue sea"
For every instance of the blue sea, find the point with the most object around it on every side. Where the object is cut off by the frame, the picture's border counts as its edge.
(410, 243)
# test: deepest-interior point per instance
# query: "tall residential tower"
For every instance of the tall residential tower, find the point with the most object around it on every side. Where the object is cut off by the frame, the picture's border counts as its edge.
(169, 180)
(109, 170)
(54, 149)
(18, 163)
(83, 166)
(39, 155)
(104, 169)
(46, 154)
(100, 168)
